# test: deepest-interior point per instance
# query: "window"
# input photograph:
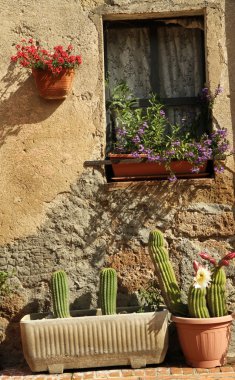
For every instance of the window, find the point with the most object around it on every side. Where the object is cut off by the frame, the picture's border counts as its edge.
(161, 56)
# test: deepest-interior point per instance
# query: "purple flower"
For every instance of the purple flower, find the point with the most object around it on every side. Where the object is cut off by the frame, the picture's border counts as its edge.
(162, 113)
(151, 158)
(219, 169)
(170, 152)
(172, 178)
(222, 132)
(205, 95)
(205, 90)
(136, 139)
(120, 149)
(121, 132)
(190, 154)
(141, 131)
(208, 142)
(135, 154)
(142, 149)
(195, 169)
(157, 157)
(218, 90)
(223, 147)
(175, 143)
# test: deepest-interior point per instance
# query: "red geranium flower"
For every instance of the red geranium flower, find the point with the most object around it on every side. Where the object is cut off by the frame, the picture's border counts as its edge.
(30, 54)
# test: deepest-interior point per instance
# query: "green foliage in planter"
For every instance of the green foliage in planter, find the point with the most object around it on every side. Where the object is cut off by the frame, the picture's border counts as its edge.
(148, 131)
(108, 290)
(60, 294)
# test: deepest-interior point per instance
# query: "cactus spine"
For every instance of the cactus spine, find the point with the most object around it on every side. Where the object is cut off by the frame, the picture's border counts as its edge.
(165, 274)
(108, 290)
(60, 294)
(197, 303)
(216, 298)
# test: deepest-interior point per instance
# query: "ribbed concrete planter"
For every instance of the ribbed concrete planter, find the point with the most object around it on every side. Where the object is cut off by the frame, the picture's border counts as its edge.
(134, 339)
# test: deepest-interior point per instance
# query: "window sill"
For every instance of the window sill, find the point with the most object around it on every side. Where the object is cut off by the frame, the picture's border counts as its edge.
(181, 182)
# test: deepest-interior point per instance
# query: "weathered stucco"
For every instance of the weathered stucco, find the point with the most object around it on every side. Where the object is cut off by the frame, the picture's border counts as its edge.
(44, 144)
(54, 212)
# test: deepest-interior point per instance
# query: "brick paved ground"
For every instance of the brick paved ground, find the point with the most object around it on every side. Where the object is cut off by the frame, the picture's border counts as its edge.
(179, 372)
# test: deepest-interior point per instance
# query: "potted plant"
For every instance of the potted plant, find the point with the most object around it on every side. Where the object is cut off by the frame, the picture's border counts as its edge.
(147, 144)
(53, 71)
(203, 324)
(92, 338)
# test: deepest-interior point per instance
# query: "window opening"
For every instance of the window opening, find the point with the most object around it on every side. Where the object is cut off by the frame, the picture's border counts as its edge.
(160, 56)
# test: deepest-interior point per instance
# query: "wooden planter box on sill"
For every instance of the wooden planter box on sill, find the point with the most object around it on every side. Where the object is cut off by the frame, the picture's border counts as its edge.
(134, 339)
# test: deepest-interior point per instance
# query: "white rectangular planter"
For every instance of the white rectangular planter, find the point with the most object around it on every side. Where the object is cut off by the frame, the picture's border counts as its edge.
(134, 339)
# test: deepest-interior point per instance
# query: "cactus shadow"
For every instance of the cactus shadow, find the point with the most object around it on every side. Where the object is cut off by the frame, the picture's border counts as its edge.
(82, 302)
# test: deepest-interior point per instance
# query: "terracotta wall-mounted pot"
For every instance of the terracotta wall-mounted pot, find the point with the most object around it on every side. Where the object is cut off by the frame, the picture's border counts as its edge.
(51, 86)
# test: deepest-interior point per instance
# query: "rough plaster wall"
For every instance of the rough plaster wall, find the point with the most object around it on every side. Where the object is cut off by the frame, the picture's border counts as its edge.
(90, 227)
(230, 30)
(54, 213)
(44, 143)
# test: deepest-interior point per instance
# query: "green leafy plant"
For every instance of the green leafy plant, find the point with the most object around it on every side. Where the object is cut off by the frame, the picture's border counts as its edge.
(150, 298)
(5, 287)
(147, 132)
(207, 294)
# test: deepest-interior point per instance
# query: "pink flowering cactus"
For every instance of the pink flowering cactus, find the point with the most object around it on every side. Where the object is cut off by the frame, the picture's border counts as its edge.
(31, 55)
(225, 261)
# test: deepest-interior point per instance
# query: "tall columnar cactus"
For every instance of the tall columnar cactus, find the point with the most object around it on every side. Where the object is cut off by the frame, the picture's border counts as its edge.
(60, 294)
(197, 303)
(108, 290)
(206, 297)
(216, 297)
(165, 274)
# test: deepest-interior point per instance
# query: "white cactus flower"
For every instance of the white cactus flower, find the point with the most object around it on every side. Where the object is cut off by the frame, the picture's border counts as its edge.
(202, 278)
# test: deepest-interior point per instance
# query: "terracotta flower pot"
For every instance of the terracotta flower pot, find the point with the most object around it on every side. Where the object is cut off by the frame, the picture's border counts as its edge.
(53, 86)
(204, 341)
(146, 168)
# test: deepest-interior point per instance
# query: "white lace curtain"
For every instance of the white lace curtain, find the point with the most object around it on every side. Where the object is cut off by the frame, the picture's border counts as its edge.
(179, 51)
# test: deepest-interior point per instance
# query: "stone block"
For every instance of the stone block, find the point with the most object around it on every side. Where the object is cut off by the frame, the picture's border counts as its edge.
(197, 224)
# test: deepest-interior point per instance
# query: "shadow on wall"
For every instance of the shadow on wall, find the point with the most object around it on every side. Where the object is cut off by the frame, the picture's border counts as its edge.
(229, 23)
(84, 299)
(10, 339)
(23, 106)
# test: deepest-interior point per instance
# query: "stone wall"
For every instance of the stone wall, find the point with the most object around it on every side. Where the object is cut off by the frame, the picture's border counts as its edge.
(57, 214)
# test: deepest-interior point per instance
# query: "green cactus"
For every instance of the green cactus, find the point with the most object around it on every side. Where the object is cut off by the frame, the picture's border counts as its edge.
(60, 294)
(216, 297)
(197, 303)
(165, 274)
(108, 290)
